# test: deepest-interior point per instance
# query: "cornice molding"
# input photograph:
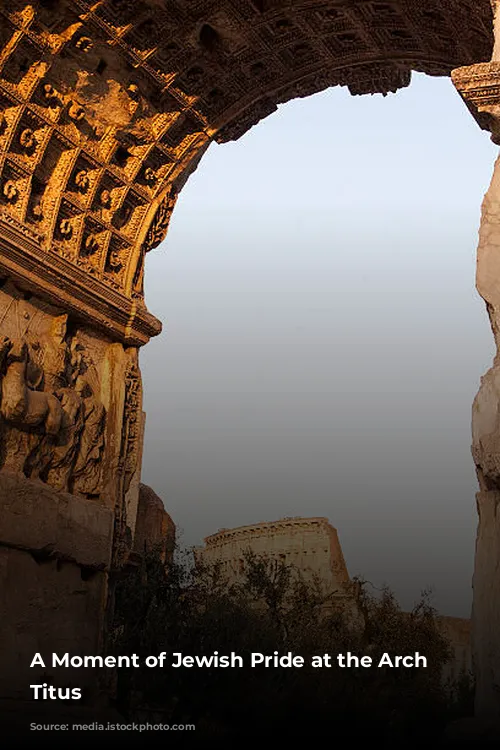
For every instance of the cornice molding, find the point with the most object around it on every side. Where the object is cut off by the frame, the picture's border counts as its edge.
(41, 272)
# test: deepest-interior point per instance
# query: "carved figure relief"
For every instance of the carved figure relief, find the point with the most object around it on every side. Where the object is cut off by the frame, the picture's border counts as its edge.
(87, 469)
(52, 420)
(21, 403)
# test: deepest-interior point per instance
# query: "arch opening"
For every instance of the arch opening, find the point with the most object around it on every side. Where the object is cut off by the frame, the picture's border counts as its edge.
(105, 111)
(244, 290)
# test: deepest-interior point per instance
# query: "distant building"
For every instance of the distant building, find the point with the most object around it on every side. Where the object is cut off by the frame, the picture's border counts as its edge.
(311, 545)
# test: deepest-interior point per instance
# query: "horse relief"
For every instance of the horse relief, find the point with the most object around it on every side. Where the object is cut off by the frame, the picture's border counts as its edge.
(22, 406)
(54, 435)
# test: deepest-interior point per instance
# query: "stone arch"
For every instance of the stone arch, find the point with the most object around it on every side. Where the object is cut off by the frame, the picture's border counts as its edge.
(106, 108)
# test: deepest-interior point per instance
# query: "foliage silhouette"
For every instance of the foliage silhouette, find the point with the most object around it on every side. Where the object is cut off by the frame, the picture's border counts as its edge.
(193, 610)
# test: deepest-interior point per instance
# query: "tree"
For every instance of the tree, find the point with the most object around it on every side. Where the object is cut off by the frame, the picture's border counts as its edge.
(196, 612)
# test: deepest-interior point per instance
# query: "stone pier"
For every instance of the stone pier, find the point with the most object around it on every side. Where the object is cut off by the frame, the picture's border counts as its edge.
(479, 86)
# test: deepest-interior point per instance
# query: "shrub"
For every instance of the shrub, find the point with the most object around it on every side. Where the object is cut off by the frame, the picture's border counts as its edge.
(194, 611)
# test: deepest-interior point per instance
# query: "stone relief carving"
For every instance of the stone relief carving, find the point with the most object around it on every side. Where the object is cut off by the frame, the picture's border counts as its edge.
(130, 456)
(131, 423)
(87, 469)
(155, 236)
(21, 403)
(52, 419)
(159, 227)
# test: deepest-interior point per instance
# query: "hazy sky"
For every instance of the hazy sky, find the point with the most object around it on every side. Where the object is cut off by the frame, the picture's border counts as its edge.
(323, 340)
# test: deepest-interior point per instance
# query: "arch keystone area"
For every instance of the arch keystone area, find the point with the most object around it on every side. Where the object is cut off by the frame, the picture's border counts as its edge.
(106, 108)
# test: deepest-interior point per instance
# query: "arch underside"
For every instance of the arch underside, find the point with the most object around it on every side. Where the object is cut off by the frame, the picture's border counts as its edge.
(107, 107)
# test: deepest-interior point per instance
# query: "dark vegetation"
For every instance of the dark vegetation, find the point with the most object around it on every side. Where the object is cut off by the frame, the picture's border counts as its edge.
(193, 611)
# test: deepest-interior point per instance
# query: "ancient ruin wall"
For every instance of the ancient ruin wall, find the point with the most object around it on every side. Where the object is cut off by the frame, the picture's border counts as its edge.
(309, 544)
(155, 530)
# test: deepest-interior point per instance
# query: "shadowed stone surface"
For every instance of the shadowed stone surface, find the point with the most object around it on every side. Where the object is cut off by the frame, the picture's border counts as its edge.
(54, 525)
(155, 530)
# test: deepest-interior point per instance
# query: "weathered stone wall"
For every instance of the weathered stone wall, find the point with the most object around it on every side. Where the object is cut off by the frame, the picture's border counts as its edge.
(309, 544)
(155, 530)
(55, 551)
(70, 441)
